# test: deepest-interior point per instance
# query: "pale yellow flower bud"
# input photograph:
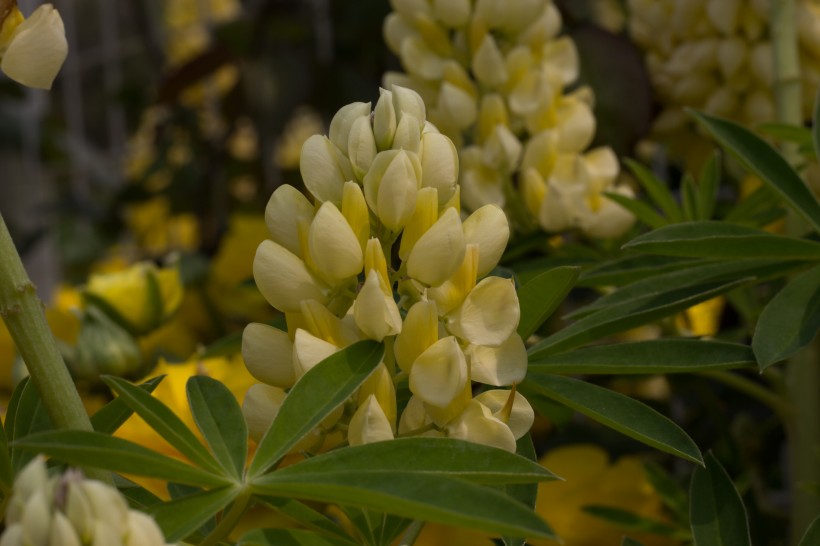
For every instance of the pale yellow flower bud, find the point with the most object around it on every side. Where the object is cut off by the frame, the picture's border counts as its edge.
(308, 351)
(391, 185)
(414, 417)
(488, 63)
(36, 49)
(499, 366)
(438, 253)
(361, 146)
(36, 519)
(319, 321)
(62, 533)
(575, 124)
(455, 106)
(286, 208)
(439, 373)
(369, 424)
(267, 352)
(384, 120)
(489, 314)
(561, 58)
(13, 535)
(283, 278)
(80, 512)
(324, 170)
(343, 121)
(375, 260)
(493, 112)
(439, 165)
(408, 102)
(408, 134)
(518, 14)
(761, 62)
(502, 149)
(260, 407)
(520, 416)
(380, 385)
(419, 331)
(376, 314)
(334, 247)
(453, 13)
(543, 29)
(477, 424)
(452, 292)
(143, 530)
(488, 228)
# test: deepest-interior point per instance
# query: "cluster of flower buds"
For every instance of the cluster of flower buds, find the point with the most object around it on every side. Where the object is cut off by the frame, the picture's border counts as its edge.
(716, 56)
(494, 74)
(69, 510)
(382, 253)
(32, 50)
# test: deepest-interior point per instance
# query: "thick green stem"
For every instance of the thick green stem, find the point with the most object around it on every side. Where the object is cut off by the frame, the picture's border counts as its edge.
(803, 370)
(23, 314)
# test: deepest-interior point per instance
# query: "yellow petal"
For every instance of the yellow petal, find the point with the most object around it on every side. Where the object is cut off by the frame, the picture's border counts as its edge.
(452, 292)
(439, 165)
(376, 313)
(380, 385)
(308, 351)
(488, 63)
(390, 187)
(498, 366)
(369, 424)
(267, 352)
(262, 403)
(333, 245)
(322, 171)
(439, 373)
(521, 416)
(285, 208)
(374, 260)
(489, 314)
(423, 218)
(439, 252)
(355, 211)
(419, 331)
(477, 424)
(37, 49)
(384, 116)
(283, 278)
(488, 228)
(343, 122)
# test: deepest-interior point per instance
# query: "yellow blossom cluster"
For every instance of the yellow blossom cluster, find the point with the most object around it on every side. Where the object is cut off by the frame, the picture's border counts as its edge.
(494, 73)
(70, 509)
(716, 56)
(382, 253)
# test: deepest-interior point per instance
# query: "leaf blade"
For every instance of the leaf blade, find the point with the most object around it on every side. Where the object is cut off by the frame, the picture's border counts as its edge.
(717, 515)
(181, 517)
(542, 295)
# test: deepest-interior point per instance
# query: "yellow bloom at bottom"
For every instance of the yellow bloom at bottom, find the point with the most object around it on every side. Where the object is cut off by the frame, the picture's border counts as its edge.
(589, 478)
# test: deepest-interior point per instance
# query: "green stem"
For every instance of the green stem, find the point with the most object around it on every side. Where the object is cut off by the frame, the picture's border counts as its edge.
(411, 533)
(752, 389)
(23, 314)
(229, 520)
(802, 380)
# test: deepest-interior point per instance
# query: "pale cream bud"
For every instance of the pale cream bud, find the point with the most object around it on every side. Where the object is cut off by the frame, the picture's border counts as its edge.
(369, 424)
(408, 102)
(439, 373)
(488, 63)
(286, 208)
(260, 407)
(361, 146)
(391, 185)
(37, 49)
(13, 535)
(342, 123)
(543, 29)
(424, 216)
(308, 351)
(334, 247)
(396, 29)
(384, 120)
(761, 62)
(453, 13)
(575, 125)
(376, 313)
(439, 165)
(36, 520)
(355, 211)
(419, 331)
(323, 169)
(143, 530)
(456, 106)
(561, 59)
(438, 253)
(502, 149)
(62, 533)
(488, 228)
(380, 385)
(267, 352)
(408, 134)
(283, 278)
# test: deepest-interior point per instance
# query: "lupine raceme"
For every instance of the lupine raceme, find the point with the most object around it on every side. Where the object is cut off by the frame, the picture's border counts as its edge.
(379, 250)
(716, 56)
(70, 510)
(494, 73)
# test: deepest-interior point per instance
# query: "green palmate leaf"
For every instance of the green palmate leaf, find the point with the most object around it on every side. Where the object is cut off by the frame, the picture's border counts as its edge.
(717, 514)
(764, 161)
(163, 420)
(641, 210)
(675, 355)
(629, 521)
(648, 289)
(657, 190)
(432, 456)
(305, 516)
(111, 416)
(756, 208)
(219, 418)
(633, 268)
(30, 417)
(672, 494)
(812, 535)
(106, 452)
(181, 517)
(630, 314)
(526, 493)
(722, 240)
(542, 295)
(622, 413)
(416, 495)
(290, 537)
(321, 390)
(790, 321)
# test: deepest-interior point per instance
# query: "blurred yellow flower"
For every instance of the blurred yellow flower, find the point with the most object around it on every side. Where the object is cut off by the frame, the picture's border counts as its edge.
(590, 478)
(157, 230)
(299, 128)
(171, 392)
(702, 319)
